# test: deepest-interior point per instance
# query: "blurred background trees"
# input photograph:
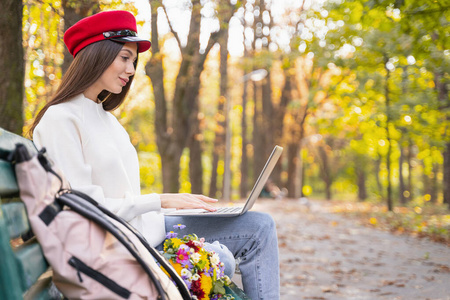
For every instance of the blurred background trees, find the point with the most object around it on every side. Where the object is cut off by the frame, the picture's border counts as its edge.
(356, 91)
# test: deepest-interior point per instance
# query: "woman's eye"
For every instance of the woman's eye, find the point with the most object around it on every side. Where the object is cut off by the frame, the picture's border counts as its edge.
(125, 57)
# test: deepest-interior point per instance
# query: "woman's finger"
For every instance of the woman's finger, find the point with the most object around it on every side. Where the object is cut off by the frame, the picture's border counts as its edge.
(180, 201)
(205, 198)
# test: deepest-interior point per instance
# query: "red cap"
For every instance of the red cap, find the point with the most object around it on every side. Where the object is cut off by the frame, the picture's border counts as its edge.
(115, 25)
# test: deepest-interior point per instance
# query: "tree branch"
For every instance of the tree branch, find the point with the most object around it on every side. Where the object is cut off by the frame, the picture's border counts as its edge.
(175, 34)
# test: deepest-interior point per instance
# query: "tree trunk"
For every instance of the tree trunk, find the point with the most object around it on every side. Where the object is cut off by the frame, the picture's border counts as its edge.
(360, 172)
(75, 10)
(362, 191)
(195, 165)
(296, 130)
(172, 138)
(446, 171)
(195, 149)
(325, 171)
(11, 66)
(401, 189)
(425, 180)
(244, 155)
(224, 15)
(292, 157)
(377, 175)
(278, 121)
(223, 42)
(388, 137)
(258, 133)
(244, 159)
(170, 171)
(301, 181)
(441, 85)
(169, 147)
(215, 164)
(194, 145)
(410, 193)
(267, 116)
(434, 183)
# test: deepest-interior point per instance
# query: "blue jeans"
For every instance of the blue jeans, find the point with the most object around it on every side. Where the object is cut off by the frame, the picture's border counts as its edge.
(252, 238)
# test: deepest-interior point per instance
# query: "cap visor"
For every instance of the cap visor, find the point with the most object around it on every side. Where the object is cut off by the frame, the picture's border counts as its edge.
(144, 45)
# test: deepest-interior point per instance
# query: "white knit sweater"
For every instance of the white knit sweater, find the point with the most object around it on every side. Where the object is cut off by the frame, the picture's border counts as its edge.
(94, 152)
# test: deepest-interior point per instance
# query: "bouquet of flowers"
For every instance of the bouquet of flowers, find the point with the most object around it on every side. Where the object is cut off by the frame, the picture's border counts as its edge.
(200, 269)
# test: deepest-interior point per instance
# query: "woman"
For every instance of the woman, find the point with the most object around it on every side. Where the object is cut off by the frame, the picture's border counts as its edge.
(94, 151)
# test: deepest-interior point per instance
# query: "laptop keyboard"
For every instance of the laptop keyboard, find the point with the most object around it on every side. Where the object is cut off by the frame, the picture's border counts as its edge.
(225, 210)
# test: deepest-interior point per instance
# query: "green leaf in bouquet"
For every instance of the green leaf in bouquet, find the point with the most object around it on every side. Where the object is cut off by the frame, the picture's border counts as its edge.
(218, 288)
(169, 256)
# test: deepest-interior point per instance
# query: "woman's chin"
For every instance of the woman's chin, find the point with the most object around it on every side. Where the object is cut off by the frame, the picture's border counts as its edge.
(116, 91)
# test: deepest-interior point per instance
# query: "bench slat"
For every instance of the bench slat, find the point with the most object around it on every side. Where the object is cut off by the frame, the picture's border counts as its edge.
(8, 184)
(31, 263)
(10, 281)
(42, 289)
(16, 220)
(9, 140)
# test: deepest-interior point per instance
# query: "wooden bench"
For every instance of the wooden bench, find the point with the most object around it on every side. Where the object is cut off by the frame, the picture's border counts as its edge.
(24, 272)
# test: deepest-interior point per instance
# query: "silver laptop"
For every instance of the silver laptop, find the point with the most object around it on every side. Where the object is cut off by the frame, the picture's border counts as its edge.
(236, 211)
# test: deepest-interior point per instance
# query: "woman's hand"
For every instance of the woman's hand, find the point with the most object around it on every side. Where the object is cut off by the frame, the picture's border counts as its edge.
(183, 201)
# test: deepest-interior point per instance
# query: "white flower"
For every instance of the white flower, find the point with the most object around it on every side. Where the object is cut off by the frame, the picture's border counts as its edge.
(215, 260)
(186, 273)
(195, 277)
(195, 257)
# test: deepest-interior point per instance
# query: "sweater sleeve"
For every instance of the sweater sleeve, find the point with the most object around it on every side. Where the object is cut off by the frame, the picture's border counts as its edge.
(60, 132)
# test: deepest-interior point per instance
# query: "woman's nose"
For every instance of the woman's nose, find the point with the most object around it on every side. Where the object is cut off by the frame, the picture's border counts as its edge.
(130, 68)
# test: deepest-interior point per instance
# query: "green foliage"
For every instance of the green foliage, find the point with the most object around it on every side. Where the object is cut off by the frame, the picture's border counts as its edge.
(345, 59)
(379, 46)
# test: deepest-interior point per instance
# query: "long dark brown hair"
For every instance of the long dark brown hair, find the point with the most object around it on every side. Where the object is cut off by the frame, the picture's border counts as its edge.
(87, 66)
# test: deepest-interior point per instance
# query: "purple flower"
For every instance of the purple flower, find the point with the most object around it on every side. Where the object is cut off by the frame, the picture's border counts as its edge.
(179, 226)
(183, 246)
(171, 235)
(222, 270)
(187, 264)
(188, 283)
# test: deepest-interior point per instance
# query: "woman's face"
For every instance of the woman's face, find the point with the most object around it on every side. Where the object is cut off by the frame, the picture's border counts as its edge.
(117, 75)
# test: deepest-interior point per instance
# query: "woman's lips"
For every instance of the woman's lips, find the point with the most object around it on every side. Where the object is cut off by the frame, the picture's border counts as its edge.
(124, 81)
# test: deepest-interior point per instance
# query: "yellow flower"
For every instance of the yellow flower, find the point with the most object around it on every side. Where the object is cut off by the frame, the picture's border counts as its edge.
(203, 255)
(206, 285)
(204, 258)
(177, 267)
(177, 242)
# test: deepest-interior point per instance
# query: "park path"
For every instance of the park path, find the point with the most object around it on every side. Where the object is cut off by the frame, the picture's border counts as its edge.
(326, 256)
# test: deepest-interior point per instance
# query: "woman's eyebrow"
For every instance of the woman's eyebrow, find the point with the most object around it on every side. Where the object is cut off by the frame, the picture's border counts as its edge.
(130, 52)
